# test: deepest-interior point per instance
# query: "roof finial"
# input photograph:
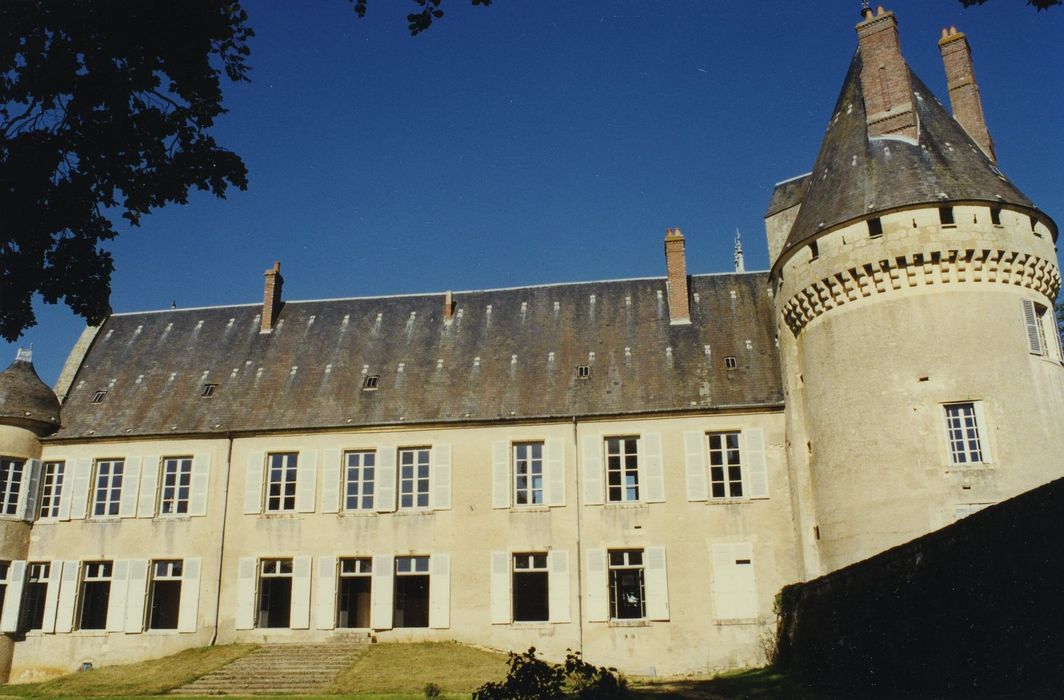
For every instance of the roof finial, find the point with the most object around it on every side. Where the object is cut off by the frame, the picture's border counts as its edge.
(24, 354)
(866, 11)
(740, 266)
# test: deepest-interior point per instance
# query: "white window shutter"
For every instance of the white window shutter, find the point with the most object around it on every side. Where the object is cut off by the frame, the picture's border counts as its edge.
(440, 477)
(188, 612)
(330, 483)
(247, 571)
(68, 590)
(127, 504)
(301, 567)
(306, 482)
(734, 584)
(116, 601)
(137, 595)
(500, 474)
(31, 487)
(201, 480)
(440, 591)
(651, 471)
(657, 584)
(79, 495)
(558, 586)
(593, 470)
(383, 590)
(1030, 320)
(149, 484)
(325, 610)
(598, 602)
(51, 596)
(500, 588)
(65, 491)
(555, 472)
(984, 430)
(253, 484)
(756, 469)
(16, 576)
(384, 496)
(694, 449)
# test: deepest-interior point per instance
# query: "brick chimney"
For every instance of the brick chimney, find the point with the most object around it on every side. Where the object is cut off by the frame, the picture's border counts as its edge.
(676, 269)
(448, 306)
(271, 298)
(885, 83)
(963, 90)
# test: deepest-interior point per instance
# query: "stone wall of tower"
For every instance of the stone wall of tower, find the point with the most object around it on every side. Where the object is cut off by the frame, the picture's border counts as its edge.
(880, 332)
(20, 444)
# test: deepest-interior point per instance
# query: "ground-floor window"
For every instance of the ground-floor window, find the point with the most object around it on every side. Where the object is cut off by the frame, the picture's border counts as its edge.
(411, 592)
(94, 595)
(531, 594)
(165, 594)
(34, 594)
(356, 585)
(275, 593)
(627, 587)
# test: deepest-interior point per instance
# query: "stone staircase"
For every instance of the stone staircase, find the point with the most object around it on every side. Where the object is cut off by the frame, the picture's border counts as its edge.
(278, 669)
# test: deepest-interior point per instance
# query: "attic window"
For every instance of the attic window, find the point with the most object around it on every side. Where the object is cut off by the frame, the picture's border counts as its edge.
(98, 396)
(995, 215)
(875, 227)
(583, 372)
(371, 382)
(814, 251)
(730, 363)
(1034, 226)
(208, 390)
(945, 216)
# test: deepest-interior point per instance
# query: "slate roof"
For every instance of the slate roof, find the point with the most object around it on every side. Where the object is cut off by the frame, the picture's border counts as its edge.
(25, 400)
(491, 362)
(856, 177)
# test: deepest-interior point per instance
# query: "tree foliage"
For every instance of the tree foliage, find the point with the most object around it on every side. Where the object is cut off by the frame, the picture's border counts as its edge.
(531, 678)
(420, 20)
(1038, 4)
(105, 110)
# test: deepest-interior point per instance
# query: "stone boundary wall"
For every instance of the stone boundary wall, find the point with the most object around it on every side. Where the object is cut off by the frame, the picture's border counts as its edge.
(973, 610)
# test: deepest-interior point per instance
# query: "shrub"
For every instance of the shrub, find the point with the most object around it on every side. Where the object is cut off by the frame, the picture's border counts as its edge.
(530, 678)
(432, 690)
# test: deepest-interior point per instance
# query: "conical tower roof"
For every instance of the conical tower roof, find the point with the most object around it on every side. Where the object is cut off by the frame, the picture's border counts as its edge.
(857, 176)
(26, 401)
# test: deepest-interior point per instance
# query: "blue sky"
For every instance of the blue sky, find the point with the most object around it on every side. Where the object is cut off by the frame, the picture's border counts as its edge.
(537, 142)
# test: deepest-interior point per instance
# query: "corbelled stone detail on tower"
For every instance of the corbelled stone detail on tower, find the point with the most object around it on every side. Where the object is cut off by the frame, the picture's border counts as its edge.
(885, 83)
(963, 90)
(271, 298)
(676, 269)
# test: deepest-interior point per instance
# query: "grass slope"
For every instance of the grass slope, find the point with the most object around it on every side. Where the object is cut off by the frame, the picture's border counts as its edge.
(406, 668)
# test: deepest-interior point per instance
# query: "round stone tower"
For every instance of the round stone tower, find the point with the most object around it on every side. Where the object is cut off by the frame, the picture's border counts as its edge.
(914, 289)
(29, 410)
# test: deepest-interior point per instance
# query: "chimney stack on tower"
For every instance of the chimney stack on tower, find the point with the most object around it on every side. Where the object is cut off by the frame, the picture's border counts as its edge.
(676, 269)
(885, 83)
(271, 298)
(448, 306)
(963, 90)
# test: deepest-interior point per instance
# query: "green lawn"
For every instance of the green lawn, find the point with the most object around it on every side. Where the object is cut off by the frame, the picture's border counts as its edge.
(406, 668)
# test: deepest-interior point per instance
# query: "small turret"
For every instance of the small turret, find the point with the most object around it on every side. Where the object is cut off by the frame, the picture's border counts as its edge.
(25, 400)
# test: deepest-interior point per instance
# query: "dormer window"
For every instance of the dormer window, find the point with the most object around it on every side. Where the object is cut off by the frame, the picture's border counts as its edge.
(583, 372)
(208, 390)
(730, 363)
(371, 382)
(98, 396)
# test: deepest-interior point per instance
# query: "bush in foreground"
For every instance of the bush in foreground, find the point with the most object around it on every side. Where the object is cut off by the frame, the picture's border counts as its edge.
(530, 678)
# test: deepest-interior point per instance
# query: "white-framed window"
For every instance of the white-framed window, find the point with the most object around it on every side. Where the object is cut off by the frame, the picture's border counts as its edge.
(52, 475)
(414, 477)
(281, 478)
(354, 597)
(165, 594)
(1043, 335)
(275, 593)
(10, 484)
(176, 485)
(412, 584)
(531, 587)
(94, 595)
(627, 584)
(34, 595)
(107, 492)
(528, 473)
(360, 468)
(725, 465)
(963, 433)
(622, 469)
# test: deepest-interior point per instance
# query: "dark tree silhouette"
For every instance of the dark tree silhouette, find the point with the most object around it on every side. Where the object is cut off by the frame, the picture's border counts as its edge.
(105, 110)
(421, 20)
(1038, 4)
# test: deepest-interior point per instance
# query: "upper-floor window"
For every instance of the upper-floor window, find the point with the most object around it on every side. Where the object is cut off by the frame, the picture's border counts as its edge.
(1043, 337)
(963, 433)
(108, 487)
(177, 481)
(282, 470)
(359, 475)
(725, 465)
(528, 473)
(622, 469)
(10, 484)
(52, 476)
(414, 466)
